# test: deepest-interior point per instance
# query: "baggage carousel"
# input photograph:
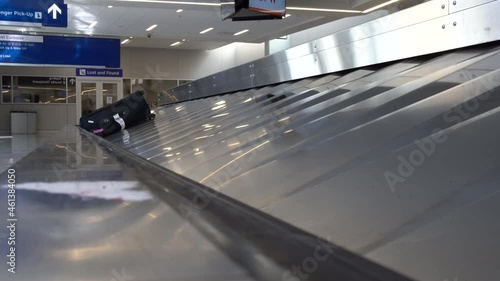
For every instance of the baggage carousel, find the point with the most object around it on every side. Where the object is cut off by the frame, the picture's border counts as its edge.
(396, 163)
(368, 155)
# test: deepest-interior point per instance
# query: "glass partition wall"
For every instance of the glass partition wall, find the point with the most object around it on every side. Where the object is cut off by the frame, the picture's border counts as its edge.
(63, 90)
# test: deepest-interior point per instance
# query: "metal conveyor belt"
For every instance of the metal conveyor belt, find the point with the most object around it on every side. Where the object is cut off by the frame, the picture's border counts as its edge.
(398, 163)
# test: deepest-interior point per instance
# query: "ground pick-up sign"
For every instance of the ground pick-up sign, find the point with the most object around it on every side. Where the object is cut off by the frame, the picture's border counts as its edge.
(35, 12)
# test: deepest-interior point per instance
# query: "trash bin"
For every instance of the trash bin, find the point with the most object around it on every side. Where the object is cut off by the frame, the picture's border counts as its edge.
(23, 122)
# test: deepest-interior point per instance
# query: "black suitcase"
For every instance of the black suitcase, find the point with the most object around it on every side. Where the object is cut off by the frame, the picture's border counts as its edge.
(118, 116)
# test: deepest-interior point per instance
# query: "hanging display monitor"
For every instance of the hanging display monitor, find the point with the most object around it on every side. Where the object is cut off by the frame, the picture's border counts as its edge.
(272, 7)
(248, 10)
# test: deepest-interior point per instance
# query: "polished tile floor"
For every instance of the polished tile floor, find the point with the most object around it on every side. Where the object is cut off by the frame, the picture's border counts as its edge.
(15, 147)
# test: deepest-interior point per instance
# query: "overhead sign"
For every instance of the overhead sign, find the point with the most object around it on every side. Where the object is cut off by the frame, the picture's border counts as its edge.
(58, 50)
(97, 72)
(20, 38)
(27, 81)
(35, 12)
(21, 49)
(250, 10)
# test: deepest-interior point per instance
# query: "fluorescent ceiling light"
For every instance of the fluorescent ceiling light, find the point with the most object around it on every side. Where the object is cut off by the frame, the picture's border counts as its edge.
(288, 15)
(323, 10)
(180, 11)
(172, 2)
(110, 6)
(380, 6)
(176, 43)
(207, 30)
(241, 32)
(152, 27)
(93, 24)
(218, 5)
(125, 41)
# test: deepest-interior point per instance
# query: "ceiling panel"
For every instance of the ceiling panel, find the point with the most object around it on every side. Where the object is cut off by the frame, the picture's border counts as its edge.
(131, 18)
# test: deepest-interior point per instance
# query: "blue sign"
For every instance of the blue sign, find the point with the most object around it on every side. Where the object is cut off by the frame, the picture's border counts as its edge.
(82, 51)
(58, 50)
(44, 12)
(97, 72)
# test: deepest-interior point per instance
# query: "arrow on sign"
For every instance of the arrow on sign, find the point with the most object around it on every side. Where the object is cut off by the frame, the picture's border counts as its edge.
(54, 9)
(72, 81)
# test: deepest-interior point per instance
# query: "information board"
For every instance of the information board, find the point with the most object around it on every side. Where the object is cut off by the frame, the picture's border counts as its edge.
(59, 50)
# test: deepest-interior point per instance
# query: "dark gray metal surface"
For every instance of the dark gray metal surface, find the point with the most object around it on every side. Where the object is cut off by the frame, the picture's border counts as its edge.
(88, 210)
(82, 215)
(396, 163)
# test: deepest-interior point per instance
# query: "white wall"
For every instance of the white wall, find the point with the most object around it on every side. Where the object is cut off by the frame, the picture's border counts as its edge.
(186, 64)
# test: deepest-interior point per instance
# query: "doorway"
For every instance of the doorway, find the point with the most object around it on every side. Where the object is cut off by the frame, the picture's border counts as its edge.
(95, 94)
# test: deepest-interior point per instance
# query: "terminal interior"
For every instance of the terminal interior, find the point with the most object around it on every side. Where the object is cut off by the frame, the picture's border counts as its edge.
(365, 152)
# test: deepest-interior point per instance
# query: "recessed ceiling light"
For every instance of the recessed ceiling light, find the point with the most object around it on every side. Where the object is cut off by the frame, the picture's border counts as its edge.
(207, 30)
(241, 32)
(125, 41)
(176, 44)
(131, 37)
(180, 11)
(93, 24)
(152, 27)
(380, 6)
(323, 10)
(184, 40)
(110, 6)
